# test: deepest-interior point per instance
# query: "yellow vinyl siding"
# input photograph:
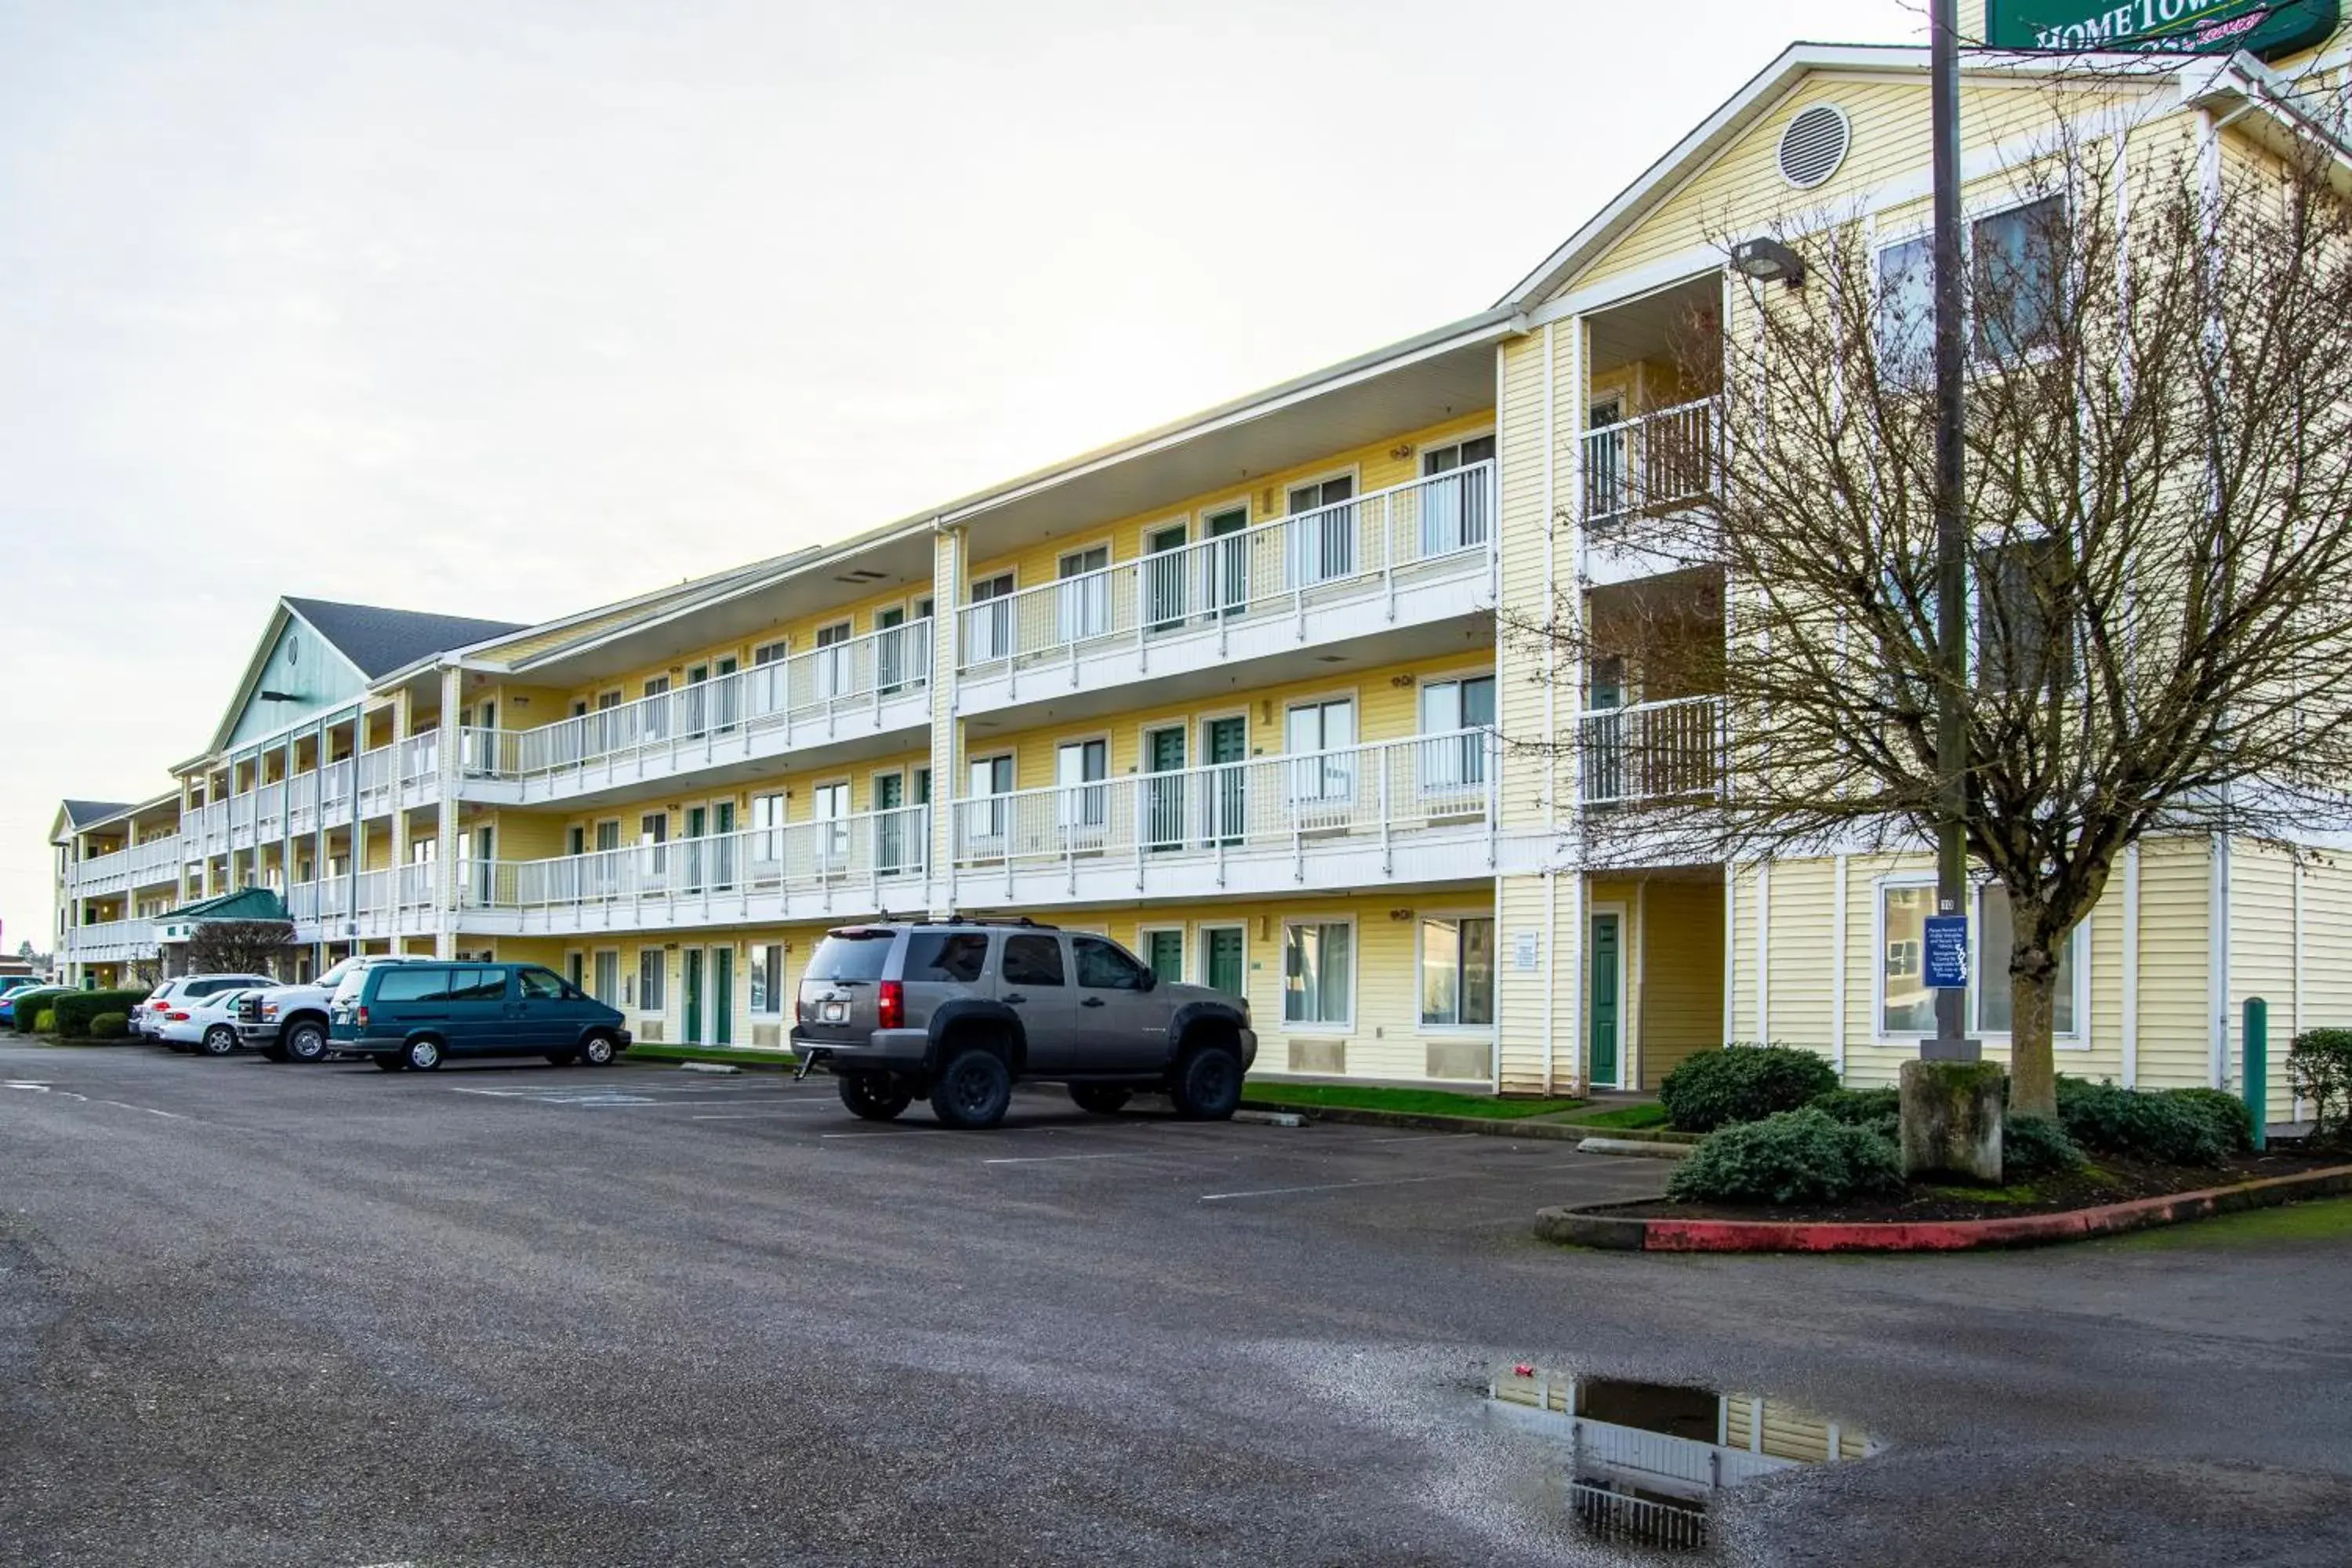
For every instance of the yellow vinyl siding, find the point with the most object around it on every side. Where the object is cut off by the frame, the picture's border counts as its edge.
(1682, 974)
(1376, 466)
(2174, 879)
(2263, 961)
(1740, 191)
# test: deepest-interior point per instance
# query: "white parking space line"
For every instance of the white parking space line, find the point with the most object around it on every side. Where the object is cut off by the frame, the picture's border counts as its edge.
(1053, 1159)
(1380, 1181)
(757, 1115)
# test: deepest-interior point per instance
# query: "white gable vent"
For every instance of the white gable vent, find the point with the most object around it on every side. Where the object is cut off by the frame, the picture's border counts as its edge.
(1814, 144)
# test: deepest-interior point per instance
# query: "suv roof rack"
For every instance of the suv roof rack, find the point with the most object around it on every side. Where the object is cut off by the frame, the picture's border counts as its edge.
(960, 919)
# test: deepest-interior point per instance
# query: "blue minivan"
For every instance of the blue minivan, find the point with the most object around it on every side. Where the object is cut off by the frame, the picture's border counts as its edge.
(414, 1015)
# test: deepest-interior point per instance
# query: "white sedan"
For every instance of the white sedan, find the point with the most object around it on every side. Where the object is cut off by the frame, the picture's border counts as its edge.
(206, 1023)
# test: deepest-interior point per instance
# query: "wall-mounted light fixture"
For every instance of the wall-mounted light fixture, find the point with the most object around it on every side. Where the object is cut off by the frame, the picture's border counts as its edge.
(1765, 258)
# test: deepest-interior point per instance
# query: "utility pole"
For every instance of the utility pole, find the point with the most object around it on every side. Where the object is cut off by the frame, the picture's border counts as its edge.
(1950, 1041)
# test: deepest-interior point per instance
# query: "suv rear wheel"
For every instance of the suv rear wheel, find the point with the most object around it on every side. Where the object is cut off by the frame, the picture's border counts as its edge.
(1101, 1098)
(1207, 1086)
(873, 1096)
(972, 1090)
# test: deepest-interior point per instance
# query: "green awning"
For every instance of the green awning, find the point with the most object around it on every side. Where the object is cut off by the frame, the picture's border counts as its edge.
(244, 904)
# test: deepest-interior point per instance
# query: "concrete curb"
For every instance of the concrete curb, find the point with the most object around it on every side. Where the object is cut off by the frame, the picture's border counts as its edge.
(1270, 1117)
(1593, 1226)
(1491, 1126)
(1640, 1148)
(721, 1069)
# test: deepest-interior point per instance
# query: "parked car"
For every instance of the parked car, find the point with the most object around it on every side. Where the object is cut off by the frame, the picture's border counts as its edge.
(417, 1015)
(33, 997)
(20, 982)
(206, 1023)
(291, 1023)
(959, 1011)
(147, 1017)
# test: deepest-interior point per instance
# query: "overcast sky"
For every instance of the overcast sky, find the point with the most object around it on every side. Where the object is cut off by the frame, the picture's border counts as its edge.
(506, 309)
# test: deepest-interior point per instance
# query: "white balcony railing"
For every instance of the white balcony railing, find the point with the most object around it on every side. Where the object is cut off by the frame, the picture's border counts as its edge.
(110, 939)
(843, 678)
(1287, 803)
(1650, 464)
(1654, 752)
(727, 868)
(1276, 567)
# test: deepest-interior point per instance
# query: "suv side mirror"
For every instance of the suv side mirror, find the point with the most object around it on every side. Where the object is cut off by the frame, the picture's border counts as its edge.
(1152, 980)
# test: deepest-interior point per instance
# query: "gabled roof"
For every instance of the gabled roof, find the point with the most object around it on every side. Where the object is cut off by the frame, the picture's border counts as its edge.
(80, 813)
(244, 904)
(378, 641)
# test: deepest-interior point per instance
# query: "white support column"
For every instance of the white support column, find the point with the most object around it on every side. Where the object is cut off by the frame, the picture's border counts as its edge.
(1730, 951)
(2217, 960)
(1837, 965)
(448, 753)
(948, 573)
(1764, 953)
(2131, 966)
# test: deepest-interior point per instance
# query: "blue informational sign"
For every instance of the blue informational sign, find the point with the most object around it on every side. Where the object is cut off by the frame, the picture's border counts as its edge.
(1946, 958)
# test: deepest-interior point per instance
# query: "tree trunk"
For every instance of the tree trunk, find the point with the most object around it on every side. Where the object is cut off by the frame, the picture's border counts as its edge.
(2033, 1012)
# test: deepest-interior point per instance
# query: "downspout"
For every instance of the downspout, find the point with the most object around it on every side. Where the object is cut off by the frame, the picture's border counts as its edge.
(1552, 720)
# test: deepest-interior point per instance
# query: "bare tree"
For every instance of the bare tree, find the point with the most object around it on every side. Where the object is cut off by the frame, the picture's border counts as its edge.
(2159, 476)
(239, 947)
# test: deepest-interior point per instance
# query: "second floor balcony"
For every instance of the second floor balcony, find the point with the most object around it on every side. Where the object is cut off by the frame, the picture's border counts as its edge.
(1410, 554)
(1641, 471)
(109, 941)
(1415, 810)
(391, 901)
(792, 871)
(856, 689)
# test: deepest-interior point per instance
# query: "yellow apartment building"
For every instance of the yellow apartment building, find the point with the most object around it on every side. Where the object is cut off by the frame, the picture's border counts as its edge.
(1232, 692)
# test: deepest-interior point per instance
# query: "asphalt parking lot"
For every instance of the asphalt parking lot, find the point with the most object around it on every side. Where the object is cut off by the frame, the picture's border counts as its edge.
(515, 1314)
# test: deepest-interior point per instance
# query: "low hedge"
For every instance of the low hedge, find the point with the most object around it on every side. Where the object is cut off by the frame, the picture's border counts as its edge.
(1790, 1157)
(1880, 1110)
(2159, 1127)
(75, 1009)
(2231, 1120)
(1743, 1083)
(2036, 1146)
(109, 1027)
(45, 1021)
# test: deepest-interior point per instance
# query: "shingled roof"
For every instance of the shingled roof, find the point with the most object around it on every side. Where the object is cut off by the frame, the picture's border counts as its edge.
(379, 641)
(82, 813)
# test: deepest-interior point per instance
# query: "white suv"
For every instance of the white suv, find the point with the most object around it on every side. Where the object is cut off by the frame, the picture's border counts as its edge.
(147, 1018)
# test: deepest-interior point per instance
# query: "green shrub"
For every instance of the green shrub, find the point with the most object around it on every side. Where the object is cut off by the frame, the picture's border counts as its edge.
(1743, 1083)
(1860, 1107)
(2036, 1146)
(2147, 1126)
(109, 1027)
(2319, 1071)
(75, 1009)
(1792, 1157)
(2232, 1123)
(45, 1021)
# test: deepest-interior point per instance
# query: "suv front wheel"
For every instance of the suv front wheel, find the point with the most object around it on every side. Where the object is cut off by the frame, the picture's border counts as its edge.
(873, 1096)
(1207, 1085)
(972, 1090)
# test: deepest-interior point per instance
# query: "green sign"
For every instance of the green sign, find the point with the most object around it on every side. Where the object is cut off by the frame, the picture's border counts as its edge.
(2264, 27)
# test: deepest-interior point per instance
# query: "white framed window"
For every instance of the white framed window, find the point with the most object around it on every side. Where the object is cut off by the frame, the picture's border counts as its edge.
(1988, 995)
(651, 973)
(604, 974)
(1322, 543)
(1454, 511)
(1457, 710)
(988, 632)
(1906, 1007)
(829, 805)
(1082, 601)
(2015, 257)
(1318, 735)
(1457, 971)
(1080, 769)
(834, 678)
(991, 779)
(1319, 974)
(767, 978)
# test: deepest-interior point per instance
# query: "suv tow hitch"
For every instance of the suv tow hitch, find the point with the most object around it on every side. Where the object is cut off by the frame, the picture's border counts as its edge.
(808, 1059)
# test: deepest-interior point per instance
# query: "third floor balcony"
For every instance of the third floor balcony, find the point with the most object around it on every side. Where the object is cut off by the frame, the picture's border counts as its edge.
(1410, 556)
(847, 697)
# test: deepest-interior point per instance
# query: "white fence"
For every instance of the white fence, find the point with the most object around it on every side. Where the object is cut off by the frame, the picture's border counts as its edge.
(1650, 463)
(866, 850)
(1276, 567)
(1370, 791)
(859, 673)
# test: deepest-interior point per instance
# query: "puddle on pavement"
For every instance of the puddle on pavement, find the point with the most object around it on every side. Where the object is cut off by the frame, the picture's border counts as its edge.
(1643, 1463)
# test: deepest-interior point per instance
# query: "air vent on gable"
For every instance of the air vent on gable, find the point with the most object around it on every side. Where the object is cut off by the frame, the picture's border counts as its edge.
(1814, 144)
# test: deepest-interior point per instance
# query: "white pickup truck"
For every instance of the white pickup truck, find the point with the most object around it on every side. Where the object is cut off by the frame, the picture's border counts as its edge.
(288, 1023)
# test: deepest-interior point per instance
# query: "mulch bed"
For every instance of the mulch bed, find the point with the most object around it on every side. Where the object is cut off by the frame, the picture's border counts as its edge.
(2110, 1179)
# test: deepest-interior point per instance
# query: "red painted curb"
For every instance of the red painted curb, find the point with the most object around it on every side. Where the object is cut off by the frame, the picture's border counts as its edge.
(1932, 1236)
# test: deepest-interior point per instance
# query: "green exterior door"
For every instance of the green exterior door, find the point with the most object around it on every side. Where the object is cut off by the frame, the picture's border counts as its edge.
(1163, 581)
(1228, 579)
(1228, 806)
(693, 995)
(1607, 1007)
(1164, 951)
(1164, 797)
(889, 829)
(1224, 967)
(723, 997)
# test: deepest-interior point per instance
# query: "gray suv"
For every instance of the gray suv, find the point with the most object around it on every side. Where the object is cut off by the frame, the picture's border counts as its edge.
(956, 1010)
